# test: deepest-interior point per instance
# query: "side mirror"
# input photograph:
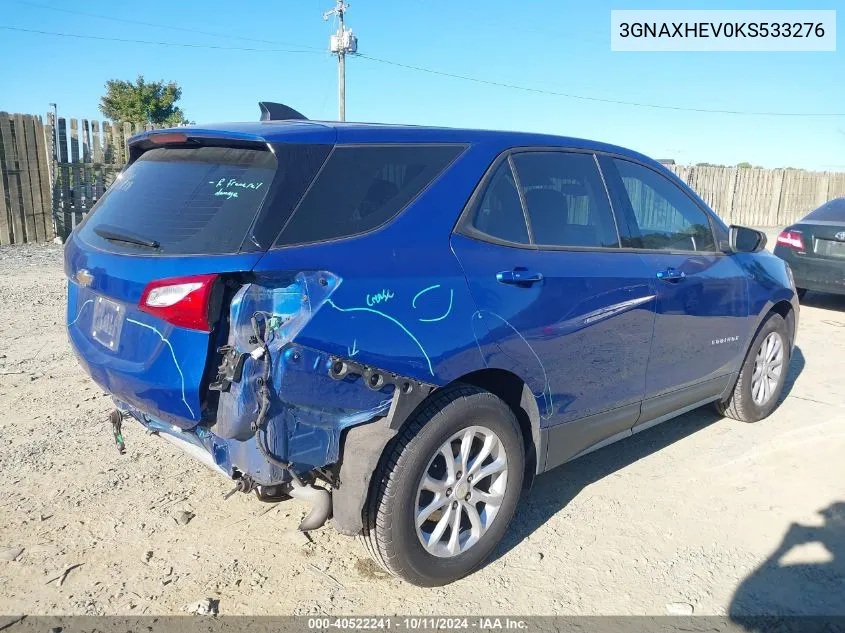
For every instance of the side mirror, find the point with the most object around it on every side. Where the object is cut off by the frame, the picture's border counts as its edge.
(745, 240)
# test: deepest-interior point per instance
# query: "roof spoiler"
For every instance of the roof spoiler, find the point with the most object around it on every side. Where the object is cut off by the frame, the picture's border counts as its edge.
(278, 112)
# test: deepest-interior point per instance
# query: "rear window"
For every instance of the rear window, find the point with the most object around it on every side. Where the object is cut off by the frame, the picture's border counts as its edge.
(190, 200)
(833, 211)
(362, 187)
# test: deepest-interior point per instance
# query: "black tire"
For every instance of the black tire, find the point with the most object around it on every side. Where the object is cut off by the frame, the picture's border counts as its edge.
(740, 403)
(389, 514)
(800, 292)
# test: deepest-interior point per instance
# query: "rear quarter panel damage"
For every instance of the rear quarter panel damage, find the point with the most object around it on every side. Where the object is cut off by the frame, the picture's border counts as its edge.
(420, 330)
(402, 305)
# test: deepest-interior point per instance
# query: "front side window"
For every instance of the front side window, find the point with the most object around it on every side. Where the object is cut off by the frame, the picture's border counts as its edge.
(665, 217)
(499, 212)
(566, 200)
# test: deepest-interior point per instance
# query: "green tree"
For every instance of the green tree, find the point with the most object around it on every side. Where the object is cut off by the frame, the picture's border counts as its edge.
(149, 101)
(744, 165)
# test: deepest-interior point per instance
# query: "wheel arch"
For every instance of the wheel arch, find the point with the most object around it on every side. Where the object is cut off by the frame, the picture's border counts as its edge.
(369, 443)
(515, 393)
(786, 310)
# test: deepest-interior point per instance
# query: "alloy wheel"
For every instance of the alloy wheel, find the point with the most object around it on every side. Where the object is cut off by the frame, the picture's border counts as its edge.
(768, 366)
(461, 491)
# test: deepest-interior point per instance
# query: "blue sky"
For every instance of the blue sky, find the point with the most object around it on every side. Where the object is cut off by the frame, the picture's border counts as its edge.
(559, 46)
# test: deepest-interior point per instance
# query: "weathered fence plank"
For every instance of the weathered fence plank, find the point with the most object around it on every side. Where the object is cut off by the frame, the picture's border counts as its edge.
(127, 132)
(87, 176)
(44, 167)
(25, 180)
(5, 226)
(48, 142)
(76, 171)
(96, 148)
(117, 145)
(16, 210)
(38, 210)
(5, 229)
(63, 221)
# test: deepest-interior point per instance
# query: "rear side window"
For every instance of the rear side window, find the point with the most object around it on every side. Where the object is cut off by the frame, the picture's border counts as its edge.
(499, 212)
(566, 199)
(199, 200)
(833, 211)
(362, 187)
(666, 218)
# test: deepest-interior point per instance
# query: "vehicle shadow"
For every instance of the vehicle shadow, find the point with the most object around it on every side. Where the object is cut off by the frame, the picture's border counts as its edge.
(554, 490)
(790, 582)
(824, 300)
(796, 366)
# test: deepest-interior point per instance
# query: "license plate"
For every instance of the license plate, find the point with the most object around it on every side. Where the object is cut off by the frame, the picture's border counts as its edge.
(830, 248)
(107, 323)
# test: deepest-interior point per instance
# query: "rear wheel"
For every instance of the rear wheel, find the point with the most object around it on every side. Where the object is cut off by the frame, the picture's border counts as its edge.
(447, 488)
(762, 375)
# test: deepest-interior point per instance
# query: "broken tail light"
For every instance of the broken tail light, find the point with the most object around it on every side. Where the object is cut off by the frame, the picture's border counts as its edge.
(281, 308)
(791, 239)
(181, 301)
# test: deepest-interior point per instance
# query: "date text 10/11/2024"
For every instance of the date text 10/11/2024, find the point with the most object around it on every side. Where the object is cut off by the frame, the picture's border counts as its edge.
(421, 623)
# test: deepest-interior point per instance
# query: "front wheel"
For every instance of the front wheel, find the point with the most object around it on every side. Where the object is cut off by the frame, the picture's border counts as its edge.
(762, 375)
(446, 489)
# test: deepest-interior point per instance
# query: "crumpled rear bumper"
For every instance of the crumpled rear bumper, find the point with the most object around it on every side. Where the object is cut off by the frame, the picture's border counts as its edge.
(230, 458)
(304, 428)
(306, 437)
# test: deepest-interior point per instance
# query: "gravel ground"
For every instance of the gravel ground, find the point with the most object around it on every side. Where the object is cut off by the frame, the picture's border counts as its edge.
(698, 514)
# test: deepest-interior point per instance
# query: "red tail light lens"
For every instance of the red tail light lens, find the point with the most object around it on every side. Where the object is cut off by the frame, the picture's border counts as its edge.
(182, 301)
(791, 239)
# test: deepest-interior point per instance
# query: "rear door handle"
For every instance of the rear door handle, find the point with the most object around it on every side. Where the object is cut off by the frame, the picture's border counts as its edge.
(671, 275)
(519, 276)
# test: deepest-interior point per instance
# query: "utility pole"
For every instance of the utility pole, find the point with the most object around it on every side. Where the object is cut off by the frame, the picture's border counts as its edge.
(341, 43)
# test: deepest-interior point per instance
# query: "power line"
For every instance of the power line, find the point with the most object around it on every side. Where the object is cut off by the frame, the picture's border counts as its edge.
(164, 26)
(570, 95)
(432, 71)
(158, 43)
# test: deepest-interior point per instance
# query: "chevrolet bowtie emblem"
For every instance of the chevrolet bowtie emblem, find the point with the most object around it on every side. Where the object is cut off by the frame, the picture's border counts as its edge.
(84, 278)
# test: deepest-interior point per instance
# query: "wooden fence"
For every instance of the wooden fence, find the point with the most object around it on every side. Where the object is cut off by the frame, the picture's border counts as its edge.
(762, 197)
(88, 159)
(53, 172)
(25, 184)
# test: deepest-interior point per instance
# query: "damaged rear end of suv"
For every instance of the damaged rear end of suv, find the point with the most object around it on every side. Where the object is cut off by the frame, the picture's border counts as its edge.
(258, 295)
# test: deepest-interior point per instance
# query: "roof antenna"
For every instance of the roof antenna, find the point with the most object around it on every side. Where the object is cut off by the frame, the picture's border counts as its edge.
(271, 111)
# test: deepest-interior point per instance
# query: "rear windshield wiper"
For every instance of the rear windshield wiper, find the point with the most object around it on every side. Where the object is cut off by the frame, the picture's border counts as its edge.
(119, 235)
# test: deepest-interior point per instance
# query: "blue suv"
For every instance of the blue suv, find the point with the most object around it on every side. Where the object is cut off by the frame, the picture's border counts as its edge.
(403, 326)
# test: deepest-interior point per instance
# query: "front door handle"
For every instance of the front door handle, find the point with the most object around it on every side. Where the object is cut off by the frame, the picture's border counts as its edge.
(519, 276)
(671, 275)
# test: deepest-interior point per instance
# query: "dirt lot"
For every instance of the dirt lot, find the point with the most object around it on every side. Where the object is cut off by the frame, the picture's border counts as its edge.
(700, 513)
